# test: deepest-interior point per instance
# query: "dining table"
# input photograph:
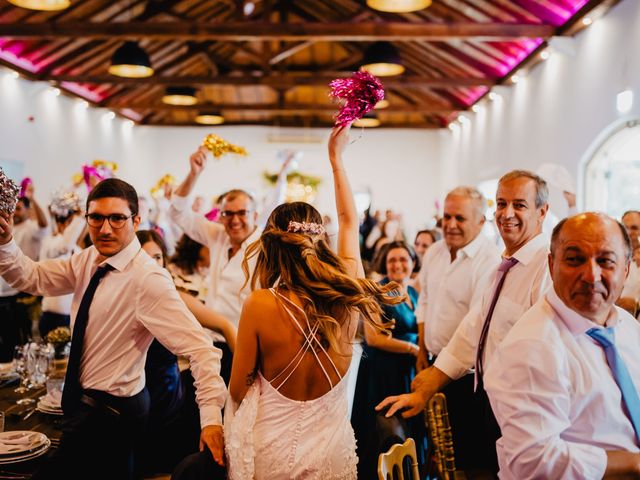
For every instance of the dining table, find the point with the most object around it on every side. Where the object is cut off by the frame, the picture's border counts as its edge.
(27, 417)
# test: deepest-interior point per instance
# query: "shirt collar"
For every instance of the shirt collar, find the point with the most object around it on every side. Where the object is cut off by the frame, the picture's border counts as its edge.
(576, 323)
(121, 259)
(473, 247)
(528, 251)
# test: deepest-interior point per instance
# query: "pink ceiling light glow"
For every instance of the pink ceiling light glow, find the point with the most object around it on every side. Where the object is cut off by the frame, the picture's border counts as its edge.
(12, 52)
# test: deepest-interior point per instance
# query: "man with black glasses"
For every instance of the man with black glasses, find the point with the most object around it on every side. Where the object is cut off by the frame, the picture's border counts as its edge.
(227, 242)
(122, 300)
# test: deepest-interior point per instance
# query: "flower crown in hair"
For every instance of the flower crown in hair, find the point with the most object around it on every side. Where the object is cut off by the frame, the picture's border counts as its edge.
(308, 228)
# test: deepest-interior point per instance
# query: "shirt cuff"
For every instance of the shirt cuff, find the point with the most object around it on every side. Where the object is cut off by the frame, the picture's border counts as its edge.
(450, 365)
(180, 203)
(594, 461)
(9, 247)
(210, 416)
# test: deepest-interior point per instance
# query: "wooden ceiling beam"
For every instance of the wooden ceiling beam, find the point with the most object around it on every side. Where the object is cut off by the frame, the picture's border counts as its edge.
(286, 109)
(284, 81)
(261, 31)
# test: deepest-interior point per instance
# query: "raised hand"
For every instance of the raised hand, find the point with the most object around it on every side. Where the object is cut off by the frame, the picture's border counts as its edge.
(28, 192)
(338, 141)
(6, 227)
(198, 161)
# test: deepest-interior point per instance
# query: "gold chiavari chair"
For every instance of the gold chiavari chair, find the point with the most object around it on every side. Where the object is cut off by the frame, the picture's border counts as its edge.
(390, 464)
(437, 417)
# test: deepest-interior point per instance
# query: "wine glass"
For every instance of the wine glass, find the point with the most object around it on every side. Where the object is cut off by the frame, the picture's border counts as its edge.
(30, 353)
(19, 365)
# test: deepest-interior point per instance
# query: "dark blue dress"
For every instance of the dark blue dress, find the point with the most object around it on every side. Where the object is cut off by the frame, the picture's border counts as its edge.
(380, 375)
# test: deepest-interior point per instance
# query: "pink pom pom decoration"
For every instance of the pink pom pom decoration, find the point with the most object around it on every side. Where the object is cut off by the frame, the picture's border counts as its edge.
(100, 173)
(361, 91)
(24, 184)
(213, 215)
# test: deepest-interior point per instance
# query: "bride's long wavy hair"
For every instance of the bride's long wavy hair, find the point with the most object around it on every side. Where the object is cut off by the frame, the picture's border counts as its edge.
(304, 264)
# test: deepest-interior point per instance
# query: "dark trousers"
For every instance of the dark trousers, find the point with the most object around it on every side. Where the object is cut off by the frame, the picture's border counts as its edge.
(225, 362)
(99, 439)
(491, 431)
(466, 416)
(50, 321)
(15, 325)
(199, 466)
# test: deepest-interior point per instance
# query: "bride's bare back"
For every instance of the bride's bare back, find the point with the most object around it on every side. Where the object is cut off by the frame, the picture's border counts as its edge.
(281, 347)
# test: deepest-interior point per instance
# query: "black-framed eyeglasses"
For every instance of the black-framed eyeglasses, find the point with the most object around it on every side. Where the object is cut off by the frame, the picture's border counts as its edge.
(116, 220)
(230, 213)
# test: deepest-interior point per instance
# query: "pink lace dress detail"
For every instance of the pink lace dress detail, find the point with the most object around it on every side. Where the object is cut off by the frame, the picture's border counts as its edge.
(270, 436)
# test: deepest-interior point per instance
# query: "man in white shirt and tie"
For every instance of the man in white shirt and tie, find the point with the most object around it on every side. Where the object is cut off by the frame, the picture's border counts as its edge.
(520, 281)
(122, 300)
(455, 272)
(227, 242)
(563, 383)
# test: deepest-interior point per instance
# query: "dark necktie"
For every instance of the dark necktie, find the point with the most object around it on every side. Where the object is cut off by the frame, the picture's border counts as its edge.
(72, 389)
(605, 337)
(504, 267)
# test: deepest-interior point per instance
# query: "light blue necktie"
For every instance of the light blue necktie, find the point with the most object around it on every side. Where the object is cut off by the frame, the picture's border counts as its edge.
(605, 337)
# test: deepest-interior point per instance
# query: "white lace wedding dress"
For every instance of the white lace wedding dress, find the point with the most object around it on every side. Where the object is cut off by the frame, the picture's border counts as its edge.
(272, 437)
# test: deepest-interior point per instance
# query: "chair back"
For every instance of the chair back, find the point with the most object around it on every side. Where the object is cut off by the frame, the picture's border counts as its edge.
(441, 439)
(390, 464)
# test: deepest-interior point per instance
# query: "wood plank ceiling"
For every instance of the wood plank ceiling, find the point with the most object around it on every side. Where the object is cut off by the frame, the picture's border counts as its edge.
(268, 62)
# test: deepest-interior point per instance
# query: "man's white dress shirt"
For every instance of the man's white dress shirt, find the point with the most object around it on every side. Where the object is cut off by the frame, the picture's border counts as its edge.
(133, 304)
(525, 284)
(226, 294)
(554, 396)
(449, 289)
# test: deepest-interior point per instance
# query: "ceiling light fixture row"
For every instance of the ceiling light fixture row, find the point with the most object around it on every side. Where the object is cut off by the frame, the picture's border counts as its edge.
(46, 5)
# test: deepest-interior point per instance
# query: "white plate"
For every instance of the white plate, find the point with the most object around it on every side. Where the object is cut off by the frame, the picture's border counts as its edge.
(15, 440)
(49, 411)
(26, 456)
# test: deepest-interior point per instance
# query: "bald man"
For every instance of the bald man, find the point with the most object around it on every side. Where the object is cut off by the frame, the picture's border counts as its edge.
(563, 383)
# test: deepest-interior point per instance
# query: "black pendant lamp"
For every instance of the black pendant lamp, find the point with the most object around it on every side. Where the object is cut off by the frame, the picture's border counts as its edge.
(180, 96)
(45, 5)
(370, 120)
(382, 60)
(210, 118)
(398, 6)
(130, 61)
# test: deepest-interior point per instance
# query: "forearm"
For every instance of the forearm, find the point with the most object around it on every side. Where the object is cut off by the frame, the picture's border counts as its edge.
(421, 337)
(187, 185)
(40, 216)
(211, 319)
(50, 278)
(345, 205)
(431, 381)
(622, 465)
(393, 345)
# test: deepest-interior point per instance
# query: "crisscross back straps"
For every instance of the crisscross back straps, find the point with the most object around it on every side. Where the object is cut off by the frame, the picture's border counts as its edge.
(310, 343)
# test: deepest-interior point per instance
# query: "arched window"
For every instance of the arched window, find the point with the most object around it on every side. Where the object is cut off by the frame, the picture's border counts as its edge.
(612, 174)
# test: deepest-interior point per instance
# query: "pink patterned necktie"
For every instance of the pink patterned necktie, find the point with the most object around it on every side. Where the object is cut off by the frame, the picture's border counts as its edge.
(504, 267)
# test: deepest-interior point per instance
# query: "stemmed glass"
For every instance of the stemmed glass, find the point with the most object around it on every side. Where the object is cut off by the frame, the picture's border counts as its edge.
(19, 365)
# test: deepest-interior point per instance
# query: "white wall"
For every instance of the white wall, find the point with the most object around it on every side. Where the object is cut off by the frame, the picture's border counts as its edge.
(400, 166)
(556, 113)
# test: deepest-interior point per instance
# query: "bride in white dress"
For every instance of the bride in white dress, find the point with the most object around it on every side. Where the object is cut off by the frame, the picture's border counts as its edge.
(287, 413)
